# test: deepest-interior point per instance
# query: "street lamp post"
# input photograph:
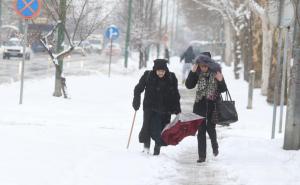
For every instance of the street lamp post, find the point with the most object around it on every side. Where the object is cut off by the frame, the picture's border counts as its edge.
(128, 33)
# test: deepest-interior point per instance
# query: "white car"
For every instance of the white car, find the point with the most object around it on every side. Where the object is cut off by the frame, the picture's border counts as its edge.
(14, 48)
(95, 45)
(78, 49)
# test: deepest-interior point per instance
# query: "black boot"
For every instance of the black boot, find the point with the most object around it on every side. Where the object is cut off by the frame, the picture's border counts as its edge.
(156, 149)
(201, 160)
(146, 148)
(216, 151)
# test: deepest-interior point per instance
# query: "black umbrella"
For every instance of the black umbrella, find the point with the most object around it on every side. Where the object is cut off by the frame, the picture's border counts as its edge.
(212, 65)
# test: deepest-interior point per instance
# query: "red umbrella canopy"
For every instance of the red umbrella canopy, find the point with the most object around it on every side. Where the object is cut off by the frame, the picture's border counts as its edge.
(183, 125)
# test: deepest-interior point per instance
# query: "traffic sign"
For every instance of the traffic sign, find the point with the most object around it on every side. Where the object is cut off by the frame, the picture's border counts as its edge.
(28, 9)
(112, 32)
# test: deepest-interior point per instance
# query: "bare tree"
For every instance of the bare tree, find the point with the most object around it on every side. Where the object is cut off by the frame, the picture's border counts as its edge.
(237, 12)
(144, 30)
(233, 12)
(267, 42)
(84, 17)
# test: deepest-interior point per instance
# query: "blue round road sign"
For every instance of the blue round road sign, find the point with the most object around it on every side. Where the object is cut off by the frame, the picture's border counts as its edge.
(112, 32)
(28, 9)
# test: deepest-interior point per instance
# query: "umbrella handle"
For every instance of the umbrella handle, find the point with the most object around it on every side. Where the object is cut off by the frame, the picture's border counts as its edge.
(131, 129)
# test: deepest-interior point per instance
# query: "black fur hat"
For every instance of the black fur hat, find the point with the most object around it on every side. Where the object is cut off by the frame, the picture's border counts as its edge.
(160, 64)
(207, 53)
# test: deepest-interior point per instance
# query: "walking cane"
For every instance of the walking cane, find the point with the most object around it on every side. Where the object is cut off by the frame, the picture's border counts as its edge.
(131, 129)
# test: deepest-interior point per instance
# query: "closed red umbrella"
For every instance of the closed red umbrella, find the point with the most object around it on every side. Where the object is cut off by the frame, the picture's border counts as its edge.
(183, 125)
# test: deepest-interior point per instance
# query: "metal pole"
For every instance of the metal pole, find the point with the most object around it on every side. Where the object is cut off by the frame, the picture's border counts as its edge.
(160, 25)
(282, 93)
(0, 20)
(23, 62)
(128, 33)
(167, 17)
(110, 57)
(277, 69)
(172, 27)
(251, 87)
(276, 83)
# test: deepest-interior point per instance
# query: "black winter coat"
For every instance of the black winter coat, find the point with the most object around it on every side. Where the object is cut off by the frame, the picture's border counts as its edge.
(188, 55)
(204, 106)
(161, 95)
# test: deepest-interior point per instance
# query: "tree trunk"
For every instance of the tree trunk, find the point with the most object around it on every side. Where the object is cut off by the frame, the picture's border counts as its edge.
(60, 39)
(248, 49)
(228, 41)
(244, 45)
(257, 48)
(237, 55)
(141, 56)
(271, 85)
(267, 52)
(292, 128)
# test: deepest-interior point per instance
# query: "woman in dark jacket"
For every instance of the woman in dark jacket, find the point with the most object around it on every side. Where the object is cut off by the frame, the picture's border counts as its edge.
(188, 56)
(161, 99)
(210, 83)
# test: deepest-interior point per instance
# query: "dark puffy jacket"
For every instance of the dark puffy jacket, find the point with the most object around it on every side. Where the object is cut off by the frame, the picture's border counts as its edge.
(188, 55)
(161, 95)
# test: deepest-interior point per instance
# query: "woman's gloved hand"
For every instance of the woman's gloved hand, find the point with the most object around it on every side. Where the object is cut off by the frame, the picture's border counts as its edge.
(136, 103)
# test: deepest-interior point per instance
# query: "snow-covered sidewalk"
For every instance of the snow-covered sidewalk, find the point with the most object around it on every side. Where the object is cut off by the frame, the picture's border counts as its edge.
(82, 140)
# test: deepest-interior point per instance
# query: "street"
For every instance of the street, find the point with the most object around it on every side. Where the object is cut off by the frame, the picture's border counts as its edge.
(40, 66)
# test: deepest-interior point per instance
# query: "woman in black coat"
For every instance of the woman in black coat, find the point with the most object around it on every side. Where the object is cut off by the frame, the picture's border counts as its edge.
(161, 99)
(210, 83)
(188, 56)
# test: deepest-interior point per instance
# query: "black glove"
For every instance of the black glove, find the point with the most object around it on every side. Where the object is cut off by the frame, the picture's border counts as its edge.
(177, 110)
(136, 103)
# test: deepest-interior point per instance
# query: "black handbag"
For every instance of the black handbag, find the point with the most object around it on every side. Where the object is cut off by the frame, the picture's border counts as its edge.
(225, 110)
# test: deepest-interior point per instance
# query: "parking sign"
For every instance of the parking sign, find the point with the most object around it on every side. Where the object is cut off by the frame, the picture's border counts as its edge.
(28, 9)
(112, 32)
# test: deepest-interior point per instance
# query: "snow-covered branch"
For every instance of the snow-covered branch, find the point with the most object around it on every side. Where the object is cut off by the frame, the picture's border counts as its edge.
(227, 9)
(45, 41)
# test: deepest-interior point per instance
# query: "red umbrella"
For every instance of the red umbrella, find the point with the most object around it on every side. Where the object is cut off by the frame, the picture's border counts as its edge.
(183, 125)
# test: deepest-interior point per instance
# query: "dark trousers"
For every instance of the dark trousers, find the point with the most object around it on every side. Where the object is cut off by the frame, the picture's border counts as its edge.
(210, 128)
(154, 123)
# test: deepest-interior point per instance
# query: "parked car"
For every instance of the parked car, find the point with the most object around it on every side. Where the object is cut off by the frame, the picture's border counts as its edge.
(115, 49)
(86, 46)
(14, 48)
(78, 49)
(95, 45)
(37, 46)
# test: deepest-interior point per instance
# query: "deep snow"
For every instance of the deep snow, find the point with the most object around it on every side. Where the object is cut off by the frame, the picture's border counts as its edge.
(82, 140)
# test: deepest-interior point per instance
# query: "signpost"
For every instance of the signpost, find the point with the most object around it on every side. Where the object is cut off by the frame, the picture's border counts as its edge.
(111, 33)
(281, 13)
(27, 9)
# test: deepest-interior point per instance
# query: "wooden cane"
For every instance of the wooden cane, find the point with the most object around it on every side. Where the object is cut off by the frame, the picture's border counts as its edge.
(131, 129)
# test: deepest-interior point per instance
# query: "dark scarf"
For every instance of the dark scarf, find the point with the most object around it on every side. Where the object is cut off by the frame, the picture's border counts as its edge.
(207, 87)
